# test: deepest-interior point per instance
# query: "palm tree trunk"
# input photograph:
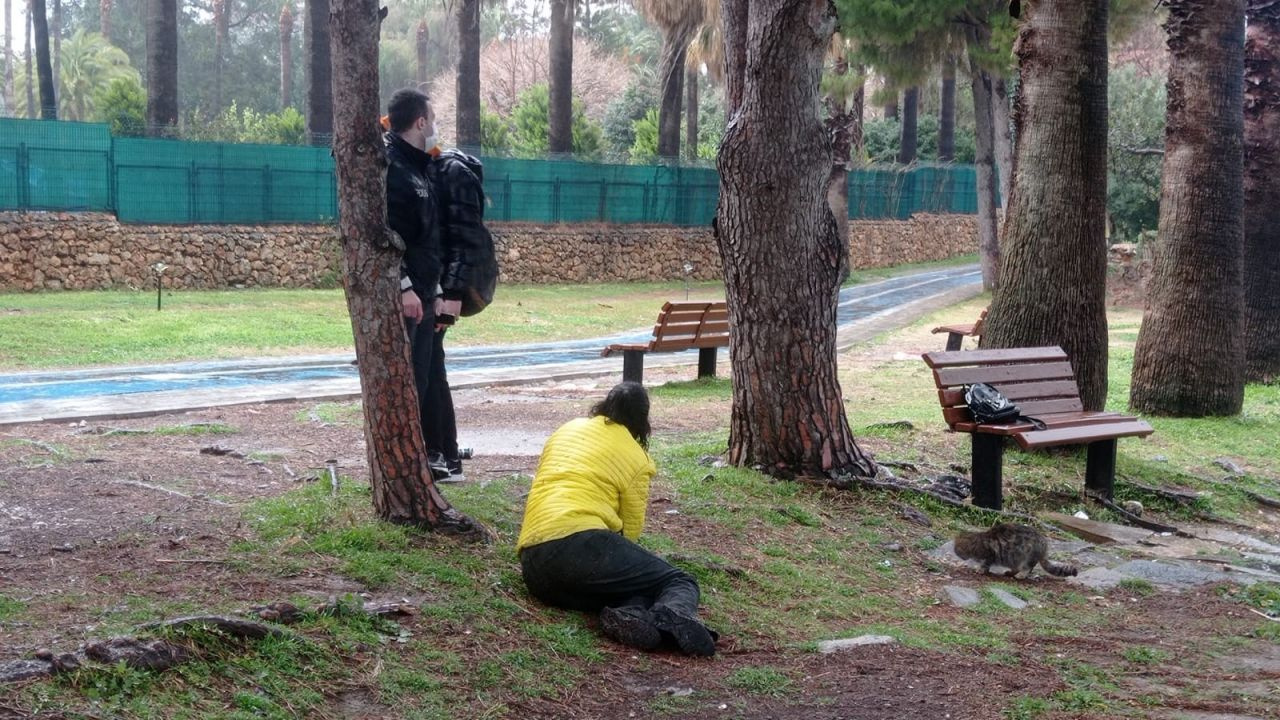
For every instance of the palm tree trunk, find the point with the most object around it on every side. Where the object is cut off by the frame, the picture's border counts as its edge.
(1190, 356)
(1052, 287)
(675, 47)
(779, 247)
(560, 91)
(468, 92)
(31, 95)
(984, 161)
(286, 55)
(909, 136)
(691, 115)
(104, 18)
(422, 51)
(55, 33)
(162, 67)
(403, 489)
(1004, 141)
(8, 54)
(947, 112)
(221, 28)
(319, 73)
(1262, 192)
(48, 101)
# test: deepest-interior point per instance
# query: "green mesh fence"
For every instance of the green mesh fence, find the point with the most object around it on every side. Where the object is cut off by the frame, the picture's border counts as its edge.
(78, 166)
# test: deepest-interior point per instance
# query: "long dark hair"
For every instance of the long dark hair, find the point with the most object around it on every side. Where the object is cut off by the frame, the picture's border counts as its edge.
(628, 405)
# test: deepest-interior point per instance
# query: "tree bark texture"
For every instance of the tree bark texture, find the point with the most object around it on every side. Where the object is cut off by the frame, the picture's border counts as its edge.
(560, 91)
(8, 54)
(55, 36)
(286, 56)
(422, 50)
(221, 28)
(1003, 136)
(28, 54)
(1052, 280)
(319, 74)
(1190, 358)
(984, 161)
(162, 67)
(909, 136)
(779, 247)
(947, 112)
(468, 119)
(40, 23)
(844, 127)
(104, 18)
(675, 47)
(403, 489)
(1262, 192)
(735, 55)
(691, 115)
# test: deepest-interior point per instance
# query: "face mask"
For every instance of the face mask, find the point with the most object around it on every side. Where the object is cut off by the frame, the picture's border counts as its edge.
(432, 138)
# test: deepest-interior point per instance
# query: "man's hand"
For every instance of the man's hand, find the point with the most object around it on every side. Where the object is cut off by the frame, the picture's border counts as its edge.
(412, 305)
(449, 308)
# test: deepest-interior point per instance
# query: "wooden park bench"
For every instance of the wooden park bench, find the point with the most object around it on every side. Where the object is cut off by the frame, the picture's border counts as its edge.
(957, 333)
(680, 326)
(1040, 382)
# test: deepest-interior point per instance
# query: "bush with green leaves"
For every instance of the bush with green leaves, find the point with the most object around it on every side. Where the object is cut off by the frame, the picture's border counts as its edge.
(531, 131)
(237, 125)
(495, 135)
(644, 149)
(1135, 140)
(122, 105)
(632, 105)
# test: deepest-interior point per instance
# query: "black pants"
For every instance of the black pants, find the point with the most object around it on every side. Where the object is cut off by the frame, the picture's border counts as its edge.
(435, 402)
(594, 569)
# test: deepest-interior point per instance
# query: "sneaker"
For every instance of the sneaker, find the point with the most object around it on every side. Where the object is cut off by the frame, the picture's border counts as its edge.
(631, 626)
(690, 635)
(466, 453)
(444, 470)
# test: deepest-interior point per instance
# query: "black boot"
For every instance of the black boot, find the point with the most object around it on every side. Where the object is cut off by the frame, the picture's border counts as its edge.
(691, 636)
(632, 626)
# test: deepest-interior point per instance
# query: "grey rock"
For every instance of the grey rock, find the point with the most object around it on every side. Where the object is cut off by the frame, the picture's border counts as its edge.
(826, 647)
(892, 547)
(19, 670)
(962, 596)
(1229, 466)
(1008, 598)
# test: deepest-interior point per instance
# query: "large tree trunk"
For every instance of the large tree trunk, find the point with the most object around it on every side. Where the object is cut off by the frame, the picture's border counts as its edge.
(675, 46)
(947, 112)
(55, 35)
(319, 74)
(691, 115)
(1004, 140)
(422, 52)
(984, 161)
(286, 55)
(28, 54)
(403, 490)
(1190, 355)
(468, 121)
(779, 246)
(48, 101)
(907, 140)
(1052, 288)
(560, 95)
(1262, 192)
(162, 67)
(221, 29)
(104, 18)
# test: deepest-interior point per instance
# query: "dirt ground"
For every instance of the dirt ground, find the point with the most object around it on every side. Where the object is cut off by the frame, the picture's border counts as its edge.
(127, 508)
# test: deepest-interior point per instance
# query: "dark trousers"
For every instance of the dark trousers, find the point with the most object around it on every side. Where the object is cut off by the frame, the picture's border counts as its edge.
(435, 402)
(594, 569)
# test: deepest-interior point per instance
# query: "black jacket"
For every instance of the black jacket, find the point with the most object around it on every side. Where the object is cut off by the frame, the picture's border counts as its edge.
(413, 214)
(470, 271)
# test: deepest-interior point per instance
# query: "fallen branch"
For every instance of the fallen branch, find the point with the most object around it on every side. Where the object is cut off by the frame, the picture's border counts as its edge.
(1262, 499)
(1259, 612)
(848, 482)
(1135, 519)
(231, 626)
(1182, 497)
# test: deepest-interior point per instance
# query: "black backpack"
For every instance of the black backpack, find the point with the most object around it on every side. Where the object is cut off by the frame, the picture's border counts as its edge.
(989, 405)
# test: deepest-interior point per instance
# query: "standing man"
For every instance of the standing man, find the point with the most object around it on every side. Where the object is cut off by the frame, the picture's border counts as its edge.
(413, 212)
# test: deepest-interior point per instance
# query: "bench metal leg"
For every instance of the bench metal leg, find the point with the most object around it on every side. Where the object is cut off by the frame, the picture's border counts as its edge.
(633, 366)
(954, 340)
(706, 362)
(1100, 468)
(987, 467)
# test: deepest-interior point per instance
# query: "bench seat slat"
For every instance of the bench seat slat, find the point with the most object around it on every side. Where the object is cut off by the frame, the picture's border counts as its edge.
(1083, 434)
(957, 329)
(959, 358)
(1070, 419)
(1017, 391)
(999, 374)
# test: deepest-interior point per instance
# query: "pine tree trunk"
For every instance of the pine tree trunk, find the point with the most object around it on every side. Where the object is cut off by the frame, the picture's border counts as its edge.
(104, 18)
(691, 115)
(1191, 353)
(984, 162)
(560, 95)
(779, 246)
(1004, 141)
(403, 490)
(1262, 192)
(422, 50)
(221, 28)
(1052, 288)
(8, 54)
(55, 34)
(31, 93)
(468, 121)
(907, 140)
(286, 55)
(162, 67)
(947, 112)
(675, 47)
(48, 102)
(319, 74)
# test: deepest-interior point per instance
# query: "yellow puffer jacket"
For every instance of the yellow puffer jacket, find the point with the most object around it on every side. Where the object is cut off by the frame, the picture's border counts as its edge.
(592, 476)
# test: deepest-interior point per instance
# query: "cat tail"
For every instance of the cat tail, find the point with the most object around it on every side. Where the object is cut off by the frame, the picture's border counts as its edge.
(1059, 569)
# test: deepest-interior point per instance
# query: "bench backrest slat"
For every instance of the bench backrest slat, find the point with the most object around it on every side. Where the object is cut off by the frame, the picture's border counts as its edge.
(683, 325)
(943, 359)
(997, 374)
(1018, 392)
(682, 330)
(1038, 380)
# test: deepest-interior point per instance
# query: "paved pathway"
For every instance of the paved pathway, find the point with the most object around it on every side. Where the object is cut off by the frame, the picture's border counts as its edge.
(65, 395)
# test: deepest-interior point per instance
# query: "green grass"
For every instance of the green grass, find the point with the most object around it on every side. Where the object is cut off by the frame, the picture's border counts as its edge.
(761, 681)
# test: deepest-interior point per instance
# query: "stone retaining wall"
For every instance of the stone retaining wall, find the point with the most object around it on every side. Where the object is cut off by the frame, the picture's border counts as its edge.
(87, 251)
